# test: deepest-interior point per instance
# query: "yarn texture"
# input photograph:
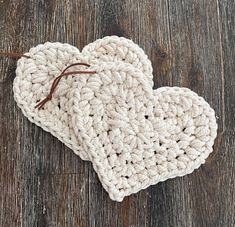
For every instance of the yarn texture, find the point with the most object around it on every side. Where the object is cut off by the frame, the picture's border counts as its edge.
(134, 136)
(34, 77)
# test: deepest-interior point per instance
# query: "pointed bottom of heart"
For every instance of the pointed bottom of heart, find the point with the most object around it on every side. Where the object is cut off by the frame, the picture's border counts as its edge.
(119, 194)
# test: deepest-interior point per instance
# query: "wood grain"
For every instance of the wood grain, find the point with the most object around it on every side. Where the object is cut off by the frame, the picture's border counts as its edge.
(190, 43)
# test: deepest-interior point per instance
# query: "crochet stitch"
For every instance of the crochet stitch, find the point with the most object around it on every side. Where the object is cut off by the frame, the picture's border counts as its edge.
(135, 136)
(34, 77)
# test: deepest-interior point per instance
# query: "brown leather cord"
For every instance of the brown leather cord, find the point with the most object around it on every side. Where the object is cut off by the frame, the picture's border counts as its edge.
(13, 55)
(57, 80)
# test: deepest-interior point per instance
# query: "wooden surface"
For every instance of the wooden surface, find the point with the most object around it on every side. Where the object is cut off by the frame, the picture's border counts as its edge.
(190, 43)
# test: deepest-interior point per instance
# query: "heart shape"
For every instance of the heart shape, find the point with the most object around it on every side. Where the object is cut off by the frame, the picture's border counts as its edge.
(136, 136)
(34, 77)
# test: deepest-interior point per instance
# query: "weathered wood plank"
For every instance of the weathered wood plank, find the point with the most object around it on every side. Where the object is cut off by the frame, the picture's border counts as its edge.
(225, 161)
(194, 49)
(10, 166)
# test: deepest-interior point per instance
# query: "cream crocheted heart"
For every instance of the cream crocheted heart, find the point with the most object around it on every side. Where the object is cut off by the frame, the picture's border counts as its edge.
(134, 136)
(34, 78)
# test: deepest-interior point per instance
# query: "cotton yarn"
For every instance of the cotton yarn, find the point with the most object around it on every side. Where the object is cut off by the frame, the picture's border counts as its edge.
(34, 77)
(134, 136)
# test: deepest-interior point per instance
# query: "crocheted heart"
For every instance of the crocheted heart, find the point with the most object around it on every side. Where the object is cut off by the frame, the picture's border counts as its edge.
(34, 77)
(135, 136)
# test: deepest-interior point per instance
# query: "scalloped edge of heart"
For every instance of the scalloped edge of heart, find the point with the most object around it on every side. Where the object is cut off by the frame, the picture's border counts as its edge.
(34, 77)
(183, 130)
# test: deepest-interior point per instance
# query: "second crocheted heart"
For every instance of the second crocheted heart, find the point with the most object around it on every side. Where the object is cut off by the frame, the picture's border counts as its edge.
(135, 136)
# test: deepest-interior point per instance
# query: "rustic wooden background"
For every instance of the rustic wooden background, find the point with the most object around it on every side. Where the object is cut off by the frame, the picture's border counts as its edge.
(190, 43)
